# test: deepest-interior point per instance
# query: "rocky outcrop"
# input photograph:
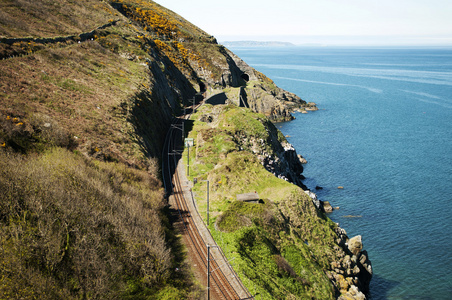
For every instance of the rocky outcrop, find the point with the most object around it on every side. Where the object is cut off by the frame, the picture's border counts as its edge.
(277, 155)
(282, 161)
(352, 272)
(256, 91)
(355, 245)
(302, 159)
(275, 103)
(314, 199)
(327, 207)
(285, 164)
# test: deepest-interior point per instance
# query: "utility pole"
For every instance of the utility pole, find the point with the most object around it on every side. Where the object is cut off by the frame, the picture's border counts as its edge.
(188, 142)
(195, 181)
(183, 128)
(207, 202)
(208, 270)
(188, 159)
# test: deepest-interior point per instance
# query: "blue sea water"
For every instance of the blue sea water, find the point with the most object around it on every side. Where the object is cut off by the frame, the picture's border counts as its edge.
(384, 132)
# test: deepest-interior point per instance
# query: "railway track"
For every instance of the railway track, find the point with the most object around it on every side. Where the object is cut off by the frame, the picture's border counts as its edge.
(224, 283)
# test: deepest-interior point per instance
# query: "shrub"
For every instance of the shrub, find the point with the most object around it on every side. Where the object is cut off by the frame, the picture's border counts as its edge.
(73, 228)
(35, 134)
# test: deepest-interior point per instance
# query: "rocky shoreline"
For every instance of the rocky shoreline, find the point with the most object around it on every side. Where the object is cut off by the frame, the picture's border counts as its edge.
(352, 272)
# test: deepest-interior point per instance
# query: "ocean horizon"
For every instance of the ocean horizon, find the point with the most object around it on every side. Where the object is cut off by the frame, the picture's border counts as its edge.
(384, 132)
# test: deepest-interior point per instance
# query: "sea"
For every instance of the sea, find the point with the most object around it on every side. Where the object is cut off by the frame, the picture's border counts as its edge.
(383, 132)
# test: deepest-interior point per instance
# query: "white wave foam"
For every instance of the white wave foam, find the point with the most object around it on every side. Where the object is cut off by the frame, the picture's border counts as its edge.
(446, 105)
(422, 94)
(431, 98)
(429, 77)
(371, 89)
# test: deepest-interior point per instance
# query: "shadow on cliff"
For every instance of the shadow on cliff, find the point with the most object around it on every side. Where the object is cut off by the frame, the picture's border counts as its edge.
(217, 99)
(152, 108)
(380, 287)
(237, 77)
(150, 121)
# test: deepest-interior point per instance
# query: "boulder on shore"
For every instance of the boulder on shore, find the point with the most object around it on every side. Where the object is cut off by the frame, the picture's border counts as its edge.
(327, 207)
(302, 159)
(355, 244)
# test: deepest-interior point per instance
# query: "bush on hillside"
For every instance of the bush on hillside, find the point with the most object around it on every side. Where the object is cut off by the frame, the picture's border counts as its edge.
(35, 134)
(75, 228)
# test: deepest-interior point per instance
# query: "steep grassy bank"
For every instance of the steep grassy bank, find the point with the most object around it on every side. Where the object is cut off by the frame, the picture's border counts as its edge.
(82, 124)
(72, 228)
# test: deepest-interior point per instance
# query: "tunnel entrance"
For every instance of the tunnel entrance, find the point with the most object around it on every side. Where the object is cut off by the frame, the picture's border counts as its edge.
(245, 77)
(202, 87)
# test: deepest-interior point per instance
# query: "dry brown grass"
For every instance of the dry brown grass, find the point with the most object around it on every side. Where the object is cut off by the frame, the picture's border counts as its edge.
(83, 88)
(72, 228)
(50, 18)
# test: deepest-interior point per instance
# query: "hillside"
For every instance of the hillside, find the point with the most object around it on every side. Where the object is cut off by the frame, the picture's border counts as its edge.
(88, 90)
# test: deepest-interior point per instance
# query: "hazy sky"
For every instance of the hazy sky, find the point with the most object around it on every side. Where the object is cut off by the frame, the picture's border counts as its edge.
(366, 22)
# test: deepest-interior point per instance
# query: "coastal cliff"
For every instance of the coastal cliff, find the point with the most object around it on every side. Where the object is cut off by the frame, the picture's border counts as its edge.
(88, 92)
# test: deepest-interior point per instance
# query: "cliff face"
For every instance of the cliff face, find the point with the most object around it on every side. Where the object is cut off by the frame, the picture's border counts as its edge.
(210, 66)
(261, 95)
